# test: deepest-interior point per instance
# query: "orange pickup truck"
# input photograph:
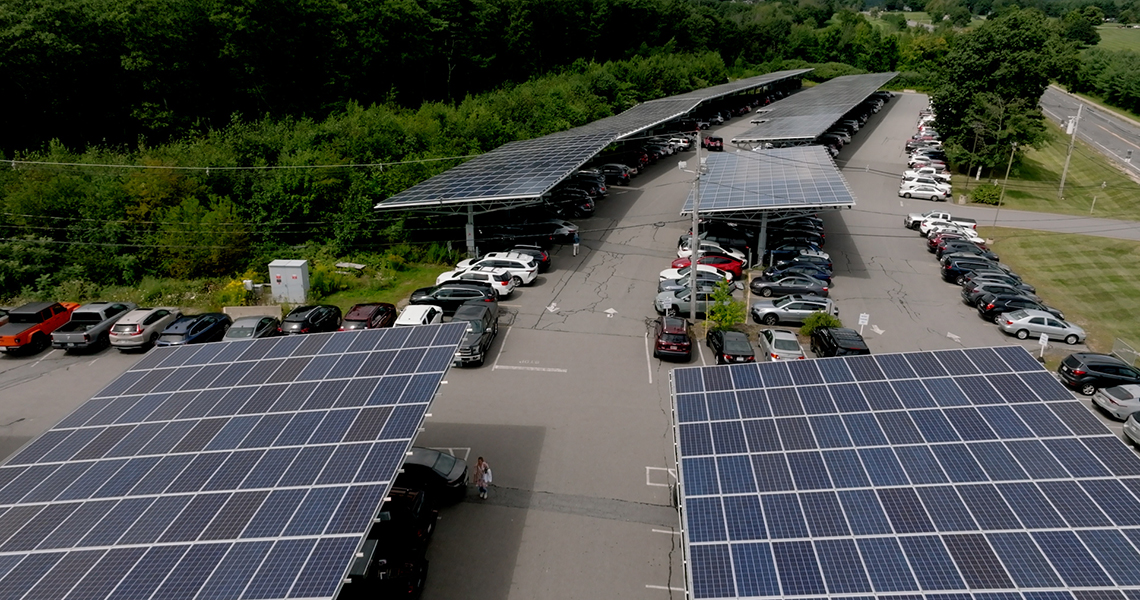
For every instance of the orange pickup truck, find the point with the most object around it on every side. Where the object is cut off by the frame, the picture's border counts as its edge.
(29, 326)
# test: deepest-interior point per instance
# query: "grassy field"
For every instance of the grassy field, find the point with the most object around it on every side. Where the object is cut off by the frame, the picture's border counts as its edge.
(407, 281)
(1102, 105)
(1092, 279)
(1114, 37)
(1033, 185)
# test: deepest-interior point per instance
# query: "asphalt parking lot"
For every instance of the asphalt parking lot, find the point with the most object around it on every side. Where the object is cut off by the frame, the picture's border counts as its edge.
(572, 412)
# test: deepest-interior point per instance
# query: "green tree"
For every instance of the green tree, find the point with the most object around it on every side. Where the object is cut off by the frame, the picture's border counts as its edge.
(819, 319)
(726, 312)
(1079, 26)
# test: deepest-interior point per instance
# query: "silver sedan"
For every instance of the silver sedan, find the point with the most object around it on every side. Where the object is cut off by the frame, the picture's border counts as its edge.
(778, 344)
(1028, 322)
(1119, 401)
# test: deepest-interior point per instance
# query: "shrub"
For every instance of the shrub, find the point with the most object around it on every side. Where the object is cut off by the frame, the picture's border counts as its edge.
(726, 312)
(817, 320)
(986, 194)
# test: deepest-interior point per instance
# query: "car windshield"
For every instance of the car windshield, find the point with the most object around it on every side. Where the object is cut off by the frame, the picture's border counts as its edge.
(124, 328)
(239, 332)
(782, 302)
(474, 327)
(443, 464)
(783, 344)
(172, 337)
(1018, 314)
(674, 338)
(737, 345)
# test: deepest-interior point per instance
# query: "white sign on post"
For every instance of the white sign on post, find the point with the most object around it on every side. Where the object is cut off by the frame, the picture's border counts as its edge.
(1043, 341)
(864, 318)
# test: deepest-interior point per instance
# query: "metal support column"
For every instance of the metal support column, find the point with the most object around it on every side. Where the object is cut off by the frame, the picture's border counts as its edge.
(471, 251)
(762, 246)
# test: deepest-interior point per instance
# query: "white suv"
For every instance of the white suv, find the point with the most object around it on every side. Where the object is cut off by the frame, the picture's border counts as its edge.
(500, 280)
(523, 268)
(139, 329)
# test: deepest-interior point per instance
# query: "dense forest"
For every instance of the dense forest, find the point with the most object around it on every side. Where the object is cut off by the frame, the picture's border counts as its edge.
(148, 138)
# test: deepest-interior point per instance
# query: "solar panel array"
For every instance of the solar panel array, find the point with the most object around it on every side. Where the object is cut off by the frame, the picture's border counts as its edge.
(779, 178)
(528, 169)
(942, 474)
(220, 471)
(808, 114)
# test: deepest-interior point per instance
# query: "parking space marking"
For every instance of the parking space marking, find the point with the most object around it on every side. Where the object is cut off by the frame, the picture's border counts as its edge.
(670, 473)
(456, 451)
(502, 345)
(648, 359)
(668, 531)
(522, 368)
(664, 587)
(50, 352)
(701, 352)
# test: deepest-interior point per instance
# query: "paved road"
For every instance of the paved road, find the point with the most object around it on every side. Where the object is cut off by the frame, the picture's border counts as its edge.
(1109, 133)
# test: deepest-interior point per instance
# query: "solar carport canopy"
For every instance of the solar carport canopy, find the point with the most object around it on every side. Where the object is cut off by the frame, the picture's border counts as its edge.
(742, 184)
(951, 475)
(520, 172)
(220, 471)
(804, 116)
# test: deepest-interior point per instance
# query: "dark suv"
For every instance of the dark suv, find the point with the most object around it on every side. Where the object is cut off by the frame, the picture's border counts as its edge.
(1087, 372)
(672, 338)
(482, 325)
(312, 319)
(371, 315)
(451, 295)
(837, 341)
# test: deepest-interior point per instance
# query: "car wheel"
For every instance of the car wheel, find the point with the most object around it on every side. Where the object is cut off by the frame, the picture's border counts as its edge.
(671, 311)
(997, 320)
(770, 319)
(516, 280)
(153, 340)
(1087, 389)
(960, 280)
(906, 194)
(1071, 340)
(766, 292)
(1022, 334)
(40, 343)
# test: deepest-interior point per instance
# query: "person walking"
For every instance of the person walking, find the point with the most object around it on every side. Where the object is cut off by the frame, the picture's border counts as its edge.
(482, 477)
(576, 241)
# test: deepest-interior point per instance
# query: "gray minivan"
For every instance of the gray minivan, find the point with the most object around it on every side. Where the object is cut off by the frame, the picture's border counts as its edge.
(482, 325)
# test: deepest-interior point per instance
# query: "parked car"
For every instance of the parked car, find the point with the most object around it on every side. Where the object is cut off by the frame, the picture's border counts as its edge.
(730, 347)
(791, 309)
(837, 341)
(369, 315)
(713, 143)
(962, 247)
(1024, 323)
(914, 181)
(772, 273)
(991, 306)
(684, 272)
(617, 174)
(90, 326)
(419, 314)
(724, 263)
(790, 251)
(777, 344)
(959, 267)
(989, 270)
(1119, 402)
(441, 475)
(382, 568)
(971, 294)
(499, 280)
(1132, 429)
(254, 327)
(925, 192)
(997, 277)
(195, 329)
(30, 326)
(823, 262)
(140, 328)
(451, 296)
(3, 317)
(1087, 372)
(311, 319)
(937, 174)
(540, 256)
(482, 327)
(791, 284)
(683, 251)
(672, 338)
(523, 268)
(679, 302)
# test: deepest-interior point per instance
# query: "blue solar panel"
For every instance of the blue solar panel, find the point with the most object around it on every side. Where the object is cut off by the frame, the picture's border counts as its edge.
(943, 473)
(169, 466)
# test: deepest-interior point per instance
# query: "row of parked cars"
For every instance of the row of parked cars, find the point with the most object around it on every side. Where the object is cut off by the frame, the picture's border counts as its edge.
(791, 289)
(926, 176)
(995, 291)
(840, 133)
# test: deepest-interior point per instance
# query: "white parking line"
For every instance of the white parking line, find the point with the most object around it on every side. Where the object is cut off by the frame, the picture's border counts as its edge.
(648, 359)
(502, 345)
(664, 587)
(701, 352)
(665, 531)
(50, 352)
(521, 368)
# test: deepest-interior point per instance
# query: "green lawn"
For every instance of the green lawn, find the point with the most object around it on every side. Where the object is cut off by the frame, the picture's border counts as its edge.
(1115, 37)
(1092, 279)
(1033, 185)
(405, 282)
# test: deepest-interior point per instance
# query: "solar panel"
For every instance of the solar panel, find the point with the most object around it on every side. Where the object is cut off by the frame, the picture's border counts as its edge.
(775, 179)
(945, 475)
(809, 113)
(528, 169)
(224, 489)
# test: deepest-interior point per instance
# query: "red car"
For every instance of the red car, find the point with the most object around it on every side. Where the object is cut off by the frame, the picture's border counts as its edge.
(724, 263)
(672, 338)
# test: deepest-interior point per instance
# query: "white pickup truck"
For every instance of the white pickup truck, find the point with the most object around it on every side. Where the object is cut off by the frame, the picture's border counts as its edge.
(914, 220)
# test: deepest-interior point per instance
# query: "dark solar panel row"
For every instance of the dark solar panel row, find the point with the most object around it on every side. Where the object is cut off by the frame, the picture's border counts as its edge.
(775, 178)
(809, 113)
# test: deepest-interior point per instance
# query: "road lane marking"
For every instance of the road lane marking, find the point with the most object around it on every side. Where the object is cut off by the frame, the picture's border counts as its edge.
(664, 587)
(649, 471)
(502, 346)
(648, 359)
(666, 531)
(521, 368)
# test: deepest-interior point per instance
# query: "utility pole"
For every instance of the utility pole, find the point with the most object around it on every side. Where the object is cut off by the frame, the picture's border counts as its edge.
(973, 153)
(1073, 123)
(694, 241)
(1005, 183)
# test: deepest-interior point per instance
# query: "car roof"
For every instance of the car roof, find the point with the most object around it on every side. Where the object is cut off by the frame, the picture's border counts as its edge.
(674, 325)
(418, 310)
(365, 309)
(471, 310)
(252, 319)
(1033, 312)
(31, 307)
(1097, 357)
(780, 333)
(139, 314)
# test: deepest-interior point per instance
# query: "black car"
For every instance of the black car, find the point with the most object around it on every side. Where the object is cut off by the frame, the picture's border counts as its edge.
(837, 341)
(964, 247)
(789, 251)
(806, 259)
(616, 174)
(482, 326)
(195, 329)
(451, 295)
(774, 274)
(1087, 372)
(992, 305)
(1003, 278)
(312, 319)
(959, 267)
(540, 256)
(408, 516)
(730, 347)
(383, 571)
(798, 237)
(442, 475)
